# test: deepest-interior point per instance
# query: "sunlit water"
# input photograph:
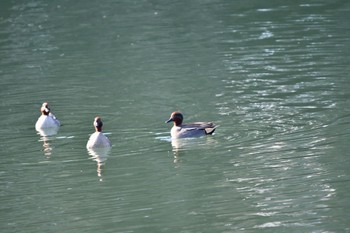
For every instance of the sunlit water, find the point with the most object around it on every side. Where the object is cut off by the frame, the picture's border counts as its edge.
(273, 75)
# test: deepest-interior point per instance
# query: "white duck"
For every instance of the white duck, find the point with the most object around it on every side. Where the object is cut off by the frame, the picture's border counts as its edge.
(196, 129)
(47, 123)
(98, 139)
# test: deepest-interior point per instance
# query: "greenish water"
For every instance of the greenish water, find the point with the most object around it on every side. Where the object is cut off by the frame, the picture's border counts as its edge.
(273, 74)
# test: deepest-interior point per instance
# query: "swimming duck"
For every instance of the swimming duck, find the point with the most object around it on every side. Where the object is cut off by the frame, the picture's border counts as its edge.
(47, 120)
(98, 139)
(196, 129)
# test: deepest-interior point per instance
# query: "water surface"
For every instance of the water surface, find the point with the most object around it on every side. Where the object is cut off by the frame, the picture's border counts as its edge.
(272, 75)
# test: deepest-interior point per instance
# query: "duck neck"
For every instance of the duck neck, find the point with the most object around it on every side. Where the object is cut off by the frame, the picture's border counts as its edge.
(98, 129)
(177, 123)
(44, 113)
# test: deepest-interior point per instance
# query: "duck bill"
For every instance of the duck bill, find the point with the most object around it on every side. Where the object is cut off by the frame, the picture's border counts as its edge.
(170, 120)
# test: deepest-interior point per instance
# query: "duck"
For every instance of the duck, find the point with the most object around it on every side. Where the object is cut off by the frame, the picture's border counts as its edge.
(47, 121)
(195, 129)
(98, 139)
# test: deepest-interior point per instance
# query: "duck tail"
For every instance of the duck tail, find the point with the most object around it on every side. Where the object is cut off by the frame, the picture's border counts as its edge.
(209, 131)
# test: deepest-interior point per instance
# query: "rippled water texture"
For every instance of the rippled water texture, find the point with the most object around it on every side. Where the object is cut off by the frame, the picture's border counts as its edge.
(273, 75)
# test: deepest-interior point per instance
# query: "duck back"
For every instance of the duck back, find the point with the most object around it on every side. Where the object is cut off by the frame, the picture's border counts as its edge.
(98, 140)
(45, 122)
(196, 129)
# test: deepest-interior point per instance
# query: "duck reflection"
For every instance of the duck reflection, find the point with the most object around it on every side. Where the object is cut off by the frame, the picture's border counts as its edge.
(181, 145)
(46, 134)
(99, 155)
(47, 146)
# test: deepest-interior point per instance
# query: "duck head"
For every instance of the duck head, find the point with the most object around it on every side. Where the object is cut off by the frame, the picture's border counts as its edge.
(98, 124)
(45, 110)
(176, 117)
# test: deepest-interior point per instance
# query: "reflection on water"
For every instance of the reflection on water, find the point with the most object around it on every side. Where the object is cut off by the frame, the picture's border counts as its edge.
(48, 131)
(182, 143)
(46, 145)
(46, 134)
(99, 155)
(186, 144)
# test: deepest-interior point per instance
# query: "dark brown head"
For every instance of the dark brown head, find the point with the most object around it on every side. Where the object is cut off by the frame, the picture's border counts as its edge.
(45, 110)
(176, 117)
(98, 124)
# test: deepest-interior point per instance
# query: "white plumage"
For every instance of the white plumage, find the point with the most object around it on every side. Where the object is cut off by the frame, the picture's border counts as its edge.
(47, 124)
(98, 139)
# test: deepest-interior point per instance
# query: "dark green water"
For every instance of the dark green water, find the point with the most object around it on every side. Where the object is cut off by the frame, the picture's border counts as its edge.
(273, 74)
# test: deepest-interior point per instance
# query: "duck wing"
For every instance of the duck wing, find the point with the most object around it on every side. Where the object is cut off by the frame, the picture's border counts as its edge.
(208, 127)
